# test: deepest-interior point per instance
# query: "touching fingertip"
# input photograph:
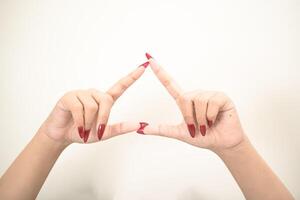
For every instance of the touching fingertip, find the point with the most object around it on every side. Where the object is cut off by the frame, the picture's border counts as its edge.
(148, 56)
(142, 127)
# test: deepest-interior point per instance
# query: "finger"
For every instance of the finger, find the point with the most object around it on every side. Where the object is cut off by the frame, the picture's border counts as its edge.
(119, 88)
(213, 108)
(187, 109)
(72, 103)
(201, 104)
(90, 107)
(172, 87)
(119, 129)
(172, 131)
(216, 104)
(105, 102)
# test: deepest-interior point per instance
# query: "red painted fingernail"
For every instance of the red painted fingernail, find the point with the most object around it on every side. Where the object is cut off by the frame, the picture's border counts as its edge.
(145, 64)
(192, 129)
(142, 127)
(203, 130)
(148, 56)
(209, 123)
(101, 129)
(80, 131)
(86, 135)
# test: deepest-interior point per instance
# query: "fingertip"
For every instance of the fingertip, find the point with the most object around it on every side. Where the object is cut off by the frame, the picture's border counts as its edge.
(148, 56)
(86, 136)
(145, 64)
(142, 127)
(81, 132)
(100, 132)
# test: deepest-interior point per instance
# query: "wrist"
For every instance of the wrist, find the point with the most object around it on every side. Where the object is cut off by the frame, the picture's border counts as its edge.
(239, 149)
(50, 143)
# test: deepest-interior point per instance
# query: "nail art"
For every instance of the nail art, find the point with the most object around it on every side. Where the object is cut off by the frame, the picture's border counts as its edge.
(192, 130)
(148, 56)
(142, 127)
(80, 131)
(86, 135)
(203, 130)
(209, 123)
(145, 64)
(101, 129)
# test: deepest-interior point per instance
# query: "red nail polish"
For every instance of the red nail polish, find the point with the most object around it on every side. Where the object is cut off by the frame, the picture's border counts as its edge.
(203, 130)
(145, 64)
(80, 131)
(148, 56)
(142, 127)
(86, 135)
(192, 130)
(101, 129)
(209, 123)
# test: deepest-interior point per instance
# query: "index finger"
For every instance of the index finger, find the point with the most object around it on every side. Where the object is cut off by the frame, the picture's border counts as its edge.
(172, 87)
(120, 87)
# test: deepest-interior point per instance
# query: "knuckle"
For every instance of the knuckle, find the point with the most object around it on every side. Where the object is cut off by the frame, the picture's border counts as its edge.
(210, 116)
(77, 107)
(184, 99)
(91, 107)
(214, 101)
(108, 98)
(166, 82)
(123, 85)
(133, 77)
(201, 101)
(103, 117)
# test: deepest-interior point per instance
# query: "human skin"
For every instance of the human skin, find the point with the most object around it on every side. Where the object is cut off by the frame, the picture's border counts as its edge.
(78, 117)
(216, 126)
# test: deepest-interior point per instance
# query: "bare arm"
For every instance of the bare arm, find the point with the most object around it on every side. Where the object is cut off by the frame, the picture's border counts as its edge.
(25, 177)
(255, 178)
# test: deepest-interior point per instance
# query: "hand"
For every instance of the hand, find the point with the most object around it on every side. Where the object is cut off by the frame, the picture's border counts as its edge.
(210, 118)
(82, 115)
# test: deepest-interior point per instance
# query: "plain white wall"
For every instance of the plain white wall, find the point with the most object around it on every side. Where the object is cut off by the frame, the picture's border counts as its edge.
(248, 49)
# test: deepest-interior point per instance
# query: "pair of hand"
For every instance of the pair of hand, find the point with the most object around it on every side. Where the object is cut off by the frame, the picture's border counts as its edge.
(210, 118)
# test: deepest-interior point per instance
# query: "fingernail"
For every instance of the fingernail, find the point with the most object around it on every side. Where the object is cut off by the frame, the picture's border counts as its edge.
(145, 64)
(203, 130)
(101, 129)
(209, 123)
(148, 56)
(142, 127)
(192, 129)
(86, 135)
(80, 131)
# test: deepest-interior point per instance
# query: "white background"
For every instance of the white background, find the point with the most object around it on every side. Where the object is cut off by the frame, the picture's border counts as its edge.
(248, 49)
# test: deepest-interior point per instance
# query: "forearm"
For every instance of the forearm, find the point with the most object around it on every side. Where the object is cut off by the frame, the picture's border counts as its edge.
(25, 177)
(256, 180)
